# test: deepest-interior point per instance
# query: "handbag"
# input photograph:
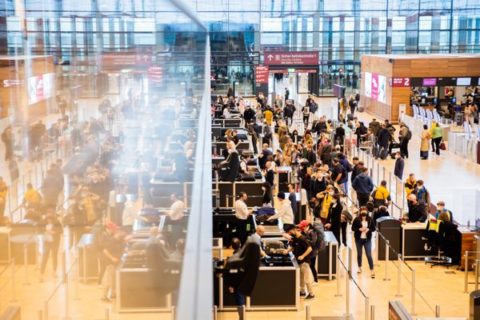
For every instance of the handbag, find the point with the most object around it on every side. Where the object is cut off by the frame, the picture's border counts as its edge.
(443, 146)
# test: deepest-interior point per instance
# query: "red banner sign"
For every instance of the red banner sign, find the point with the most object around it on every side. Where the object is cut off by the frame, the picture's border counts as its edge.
(291, 58)
(155, 74)
(400, 82)
(261, 74)
(126, 59)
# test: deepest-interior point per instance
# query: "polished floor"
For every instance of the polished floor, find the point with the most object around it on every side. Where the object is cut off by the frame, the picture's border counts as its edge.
(448, 177)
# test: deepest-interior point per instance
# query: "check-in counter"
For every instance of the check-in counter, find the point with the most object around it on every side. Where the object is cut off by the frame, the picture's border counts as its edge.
(391, 230)
(286, 294)
(327, 258)
(87, 258)
(136, 292)
(4, 245)
(413, 246)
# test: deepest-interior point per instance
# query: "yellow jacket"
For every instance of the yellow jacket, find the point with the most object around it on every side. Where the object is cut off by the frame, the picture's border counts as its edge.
(327, 200)
(381, 193)
(268, 115)
(32, 197)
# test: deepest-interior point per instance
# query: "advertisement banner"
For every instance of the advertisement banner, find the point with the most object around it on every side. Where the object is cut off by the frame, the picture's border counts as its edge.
(40, 87)
(368, 84)
(375, 86)
(291, 58)
(261, 74)
(382, 89)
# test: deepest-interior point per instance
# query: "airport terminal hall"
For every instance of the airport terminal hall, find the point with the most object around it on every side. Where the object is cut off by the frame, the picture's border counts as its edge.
(239, 159)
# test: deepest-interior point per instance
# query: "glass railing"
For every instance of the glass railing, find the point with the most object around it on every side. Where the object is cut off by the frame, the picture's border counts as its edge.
(116, 147)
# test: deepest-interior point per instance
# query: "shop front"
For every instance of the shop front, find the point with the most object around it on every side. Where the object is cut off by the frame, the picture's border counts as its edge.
(288, 74)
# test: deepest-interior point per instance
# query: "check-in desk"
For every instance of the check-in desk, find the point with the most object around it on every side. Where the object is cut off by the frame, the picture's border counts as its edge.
(136, 292)
(413, 246)
(4, 245)
(276, 288)
(24, 243)
(87, 258)
(391, 229)
(327, 258)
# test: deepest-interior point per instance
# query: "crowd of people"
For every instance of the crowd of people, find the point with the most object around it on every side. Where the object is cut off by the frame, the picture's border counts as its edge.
(337, 189)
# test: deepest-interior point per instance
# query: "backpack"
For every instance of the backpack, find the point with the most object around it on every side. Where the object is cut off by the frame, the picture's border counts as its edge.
(409, 135)
(313, 107)
(320, 232)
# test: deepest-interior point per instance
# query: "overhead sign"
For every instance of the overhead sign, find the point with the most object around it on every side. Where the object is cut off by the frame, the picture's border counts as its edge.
(400, 82)
(261, 74)
(429, 82)
(126, 59)
(290, 58)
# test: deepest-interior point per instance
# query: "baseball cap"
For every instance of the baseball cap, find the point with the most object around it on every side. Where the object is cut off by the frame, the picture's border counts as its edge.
(303, 224)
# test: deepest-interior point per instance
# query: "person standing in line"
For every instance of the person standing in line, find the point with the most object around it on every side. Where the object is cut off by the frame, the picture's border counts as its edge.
(362, 228)
(424, 145)
(3, 196)
(311, 235)
(363, 185)
(437, 136)
(306, 115)
(242, 214)
(287, 94)
(399, 165)
(302, 250)
(334, 218)
(51, 237)
(292, 197)
(404, 137)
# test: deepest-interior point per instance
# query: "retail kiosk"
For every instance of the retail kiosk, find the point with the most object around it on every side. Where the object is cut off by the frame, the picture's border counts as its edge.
(388, 81)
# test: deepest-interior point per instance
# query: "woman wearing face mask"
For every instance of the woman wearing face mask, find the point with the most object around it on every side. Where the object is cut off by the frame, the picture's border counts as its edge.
(334, 218)
(362, 228)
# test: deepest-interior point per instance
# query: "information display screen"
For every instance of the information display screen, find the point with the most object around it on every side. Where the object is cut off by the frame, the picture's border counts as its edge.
(464, 81)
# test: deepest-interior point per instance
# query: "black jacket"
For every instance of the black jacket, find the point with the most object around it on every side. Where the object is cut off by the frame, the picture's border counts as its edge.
(231, 167)
(383, 137)
(399, 165)
(334, 218)
(357, 224)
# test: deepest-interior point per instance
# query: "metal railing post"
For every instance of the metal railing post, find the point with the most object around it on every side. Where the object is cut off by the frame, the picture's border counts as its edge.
(437, 311)
(107, 313)
(338, 294)
(25, 263)
(387, 251)
(45, 310)
(413, 293)
(13, 284)
(378, 173)
(477, 266)
(215, 312)
(347, 283)
(466, 272)
(244, 314)
(399, 277)
(367, 306)
(173, 312)
(40, 314)
(308, 315)
(372, 312)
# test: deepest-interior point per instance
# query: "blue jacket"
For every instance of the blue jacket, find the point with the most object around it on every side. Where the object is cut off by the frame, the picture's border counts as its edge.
(363, 184)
